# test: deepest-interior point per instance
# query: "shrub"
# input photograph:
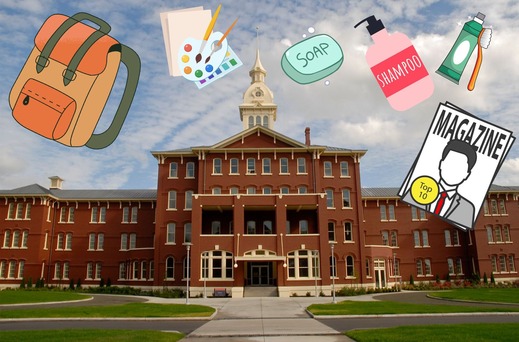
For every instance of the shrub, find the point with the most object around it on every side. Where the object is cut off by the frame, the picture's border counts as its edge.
(109, 282)
(71, 284)
(22, 283)
(78, 285)
(101, 282)
(492, 280)
(29, 283)
(411, 280)
(485, 279)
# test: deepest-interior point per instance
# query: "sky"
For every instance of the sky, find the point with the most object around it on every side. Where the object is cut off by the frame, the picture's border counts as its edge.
(348, 111)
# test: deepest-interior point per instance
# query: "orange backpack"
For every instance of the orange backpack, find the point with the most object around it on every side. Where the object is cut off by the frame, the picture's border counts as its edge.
(66, 81)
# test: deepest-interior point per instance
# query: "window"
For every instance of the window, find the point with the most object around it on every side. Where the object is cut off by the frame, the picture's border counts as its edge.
(217, 166)
(251, 227)
(187, 232)
(506, 233)
(265, 121)
(133, 241)
(368, 268)
(63, 215)
(450, 264)
(329, 198)
(19, 211)
(447, 234)
(170, 267)
(283, 165)
(485, 207)
(490, 236)
(173, 170)
(170, 233)
(391, 209)
(502, 206)
(234, 165)
(502, 263)
(28, 208)
(16, 239)
(172, 199)
(267, 227)
(346, 198)
(124, 241)
(302, 189)
(90, 270)
(189, 200)
(126, 214)
(68, 241)
(21, 267)
(134, 214)
(455, 238)
(258, 120)
(394, 238)
(7, 238)
(416, 235)
(418, 214)
(66, 269)
(190, 170)
(493, 260)
(217, 265)
(251, 121)
(511, 263)
(143, 269)
(396, 267)
(216, 227)
(284, 190)
(135, 267)
(251, 190)
(331, 231)
(10, 211)
(303, 227)
(59, 242)
(234, 190)
(419, 267)
(328, 169)
(299, 265)
(251, 166)
(98, 215)
(348, 231)
(344, 169)
(493, 206)
(459, 267)
(350, 271)
(427, 264)
(385, 238)
(152, 270)
(301, 165)
(333, 266)
(383, 216)
(122, 270)
(266, 166)
(425, 238)
(497, 234)
(267, 190)
(100, 241)
(25, 237)
(98, 270)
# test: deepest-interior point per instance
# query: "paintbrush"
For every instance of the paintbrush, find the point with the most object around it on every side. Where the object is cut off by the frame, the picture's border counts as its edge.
(198, 57)
(217, 46)
(483, 42)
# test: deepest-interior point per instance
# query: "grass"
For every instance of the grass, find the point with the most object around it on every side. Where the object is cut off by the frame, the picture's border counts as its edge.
(18, 297)
(450, 332)
(124, 310)
(93, 335)
(388, 307)
(502, 295)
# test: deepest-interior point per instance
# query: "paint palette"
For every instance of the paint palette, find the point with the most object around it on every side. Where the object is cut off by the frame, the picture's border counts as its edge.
(190, 48)
(230, 63)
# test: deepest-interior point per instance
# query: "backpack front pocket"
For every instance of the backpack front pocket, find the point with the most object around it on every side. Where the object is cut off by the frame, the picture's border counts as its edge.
(44, 110)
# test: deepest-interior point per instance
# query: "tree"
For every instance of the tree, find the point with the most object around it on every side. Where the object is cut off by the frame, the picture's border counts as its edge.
(411, 280)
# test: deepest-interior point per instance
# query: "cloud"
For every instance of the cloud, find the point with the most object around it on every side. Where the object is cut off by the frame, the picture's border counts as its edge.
(352, 112)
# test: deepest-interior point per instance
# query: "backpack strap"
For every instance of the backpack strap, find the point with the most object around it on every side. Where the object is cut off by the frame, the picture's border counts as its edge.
(43, 59)
(133, 65)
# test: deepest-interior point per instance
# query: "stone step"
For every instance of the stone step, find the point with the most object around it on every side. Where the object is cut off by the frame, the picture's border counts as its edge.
(260, 291)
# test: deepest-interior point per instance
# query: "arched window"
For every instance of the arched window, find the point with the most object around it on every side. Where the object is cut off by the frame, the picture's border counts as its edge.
(170, 267)
(265, 121)
(350, 271)
(258, 120)
(251, 121)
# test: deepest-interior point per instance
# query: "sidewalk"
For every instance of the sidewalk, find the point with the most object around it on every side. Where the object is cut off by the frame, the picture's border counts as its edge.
(264, 319)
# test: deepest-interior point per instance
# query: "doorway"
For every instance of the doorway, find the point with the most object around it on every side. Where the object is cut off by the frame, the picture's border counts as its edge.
(260, 274)
(380, 273)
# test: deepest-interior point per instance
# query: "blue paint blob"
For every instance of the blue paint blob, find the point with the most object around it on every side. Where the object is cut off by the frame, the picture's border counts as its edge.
(209, 68)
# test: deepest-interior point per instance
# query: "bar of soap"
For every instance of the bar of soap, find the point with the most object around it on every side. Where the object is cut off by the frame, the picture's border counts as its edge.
(312, 59)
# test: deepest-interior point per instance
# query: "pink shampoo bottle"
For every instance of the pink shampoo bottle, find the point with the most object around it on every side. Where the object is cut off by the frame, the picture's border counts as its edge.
(397, 67)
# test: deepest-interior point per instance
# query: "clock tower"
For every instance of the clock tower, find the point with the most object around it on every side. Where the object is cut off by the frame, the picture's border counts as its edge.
(258, 107)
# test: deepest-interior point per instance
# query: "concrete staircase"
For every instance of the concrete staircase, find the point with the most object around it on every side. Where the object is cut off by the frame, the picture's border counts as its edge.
(260, 291)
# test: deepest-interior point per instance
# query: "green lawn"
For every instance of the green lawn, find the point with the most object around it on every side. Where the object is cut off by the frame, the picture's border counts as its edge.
(125, 310)
(94, 335)
(18, 296)
(481, 332)
(388, 307)
(503, 295)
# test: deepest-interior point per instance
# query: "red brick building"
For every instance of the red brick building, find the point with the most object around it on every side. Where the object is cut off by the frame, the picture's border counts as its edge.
(255, 209)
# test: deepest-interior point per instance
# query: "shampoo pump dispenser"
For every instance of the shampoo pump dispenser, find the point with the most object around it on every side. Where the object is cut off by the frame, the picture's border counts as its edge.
(397, 67)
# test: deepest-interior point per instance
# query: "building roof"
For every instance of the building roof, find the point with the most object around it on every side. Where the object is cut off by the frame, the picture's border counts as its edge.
(379, 192)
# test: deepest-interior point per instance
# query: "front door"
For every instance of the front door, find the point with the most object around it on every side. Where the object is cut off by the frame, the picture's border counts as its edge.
(260, 275)
(380, 273)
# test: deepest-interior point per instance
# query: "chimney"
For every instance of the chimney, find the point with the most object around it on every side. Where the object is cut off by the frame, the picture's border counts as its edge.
(55, 183)
(307, 136)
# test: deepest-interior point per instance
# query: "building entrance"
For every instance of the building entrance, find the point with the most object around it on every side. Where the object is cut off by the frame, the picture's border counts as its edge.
(260, 274)
(380, 273)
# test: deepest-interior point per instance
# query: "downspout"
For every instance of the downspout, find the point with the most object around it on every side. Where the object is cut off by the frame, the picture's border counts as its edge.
(51, 240)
